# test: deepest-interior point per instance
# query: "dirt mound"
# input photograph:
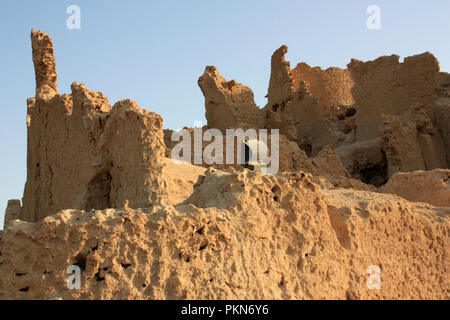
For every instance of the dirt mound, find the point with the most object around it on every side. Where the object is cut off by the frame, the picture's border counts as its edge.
(261, 237)
(423, 186)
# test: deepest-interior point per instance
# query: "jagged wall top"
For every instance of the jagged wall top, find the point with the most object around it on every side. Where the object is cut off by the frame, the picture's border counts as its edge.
(84, 153)
(44, 63)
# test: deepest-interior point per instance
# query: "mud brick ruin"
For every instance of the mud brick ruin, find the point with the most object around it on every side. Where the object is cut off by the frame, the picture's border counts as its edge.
(363, 180)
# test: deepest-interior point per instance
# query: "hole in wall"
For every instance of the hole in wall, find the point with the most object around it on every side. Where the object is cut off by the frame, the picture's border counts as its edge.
(99, 277)
(350, 112)
(125, 265)
(203, 246)
(80, 261)
(376, 175)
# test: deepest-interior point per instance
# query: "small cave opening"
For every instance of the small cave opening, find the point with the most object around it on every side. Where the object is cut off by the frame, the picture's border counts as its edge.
(99, 192)
(375, 175)
(374, 172)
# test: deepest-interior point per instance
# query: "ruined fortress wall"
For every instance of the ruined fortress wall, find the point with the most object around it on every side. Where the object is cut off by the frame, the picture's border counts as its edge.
(59, 157)
(228, 104)
(215, 234)
(83, 153)
(387, 87)
(439, 113)
(343, 107)
(331, 87)
(281, 88)
(44, 62)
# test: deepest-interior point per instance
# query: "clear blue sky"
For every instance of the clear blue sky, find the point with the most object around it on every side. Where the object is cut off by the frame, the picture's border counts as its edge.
(154, 51)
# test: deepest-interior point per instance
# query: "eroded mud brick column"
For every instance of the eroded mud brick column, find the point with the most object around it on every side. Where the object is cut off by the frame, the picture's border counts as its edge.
(44, 63)
(84, 153)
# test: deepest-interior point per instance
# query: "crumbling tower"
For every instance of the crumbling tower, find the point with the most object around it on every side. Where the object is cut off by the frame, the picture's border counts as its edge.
(44, 63)
(84, 153)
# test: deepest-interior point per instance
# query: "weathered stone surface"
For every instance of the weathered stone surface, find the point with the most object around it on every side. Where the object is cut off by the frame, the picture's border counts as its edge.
(411, 143)
(13, 211)
(228, 104)
(439, 113)
(349, 109)
(309, 108)
(423, 186)
(44, 64)
(326, 164)
(387, 87)
(261, 237)
(352, 107)
(365, 161)
(400, 145)
(331, 87)
(281, 86)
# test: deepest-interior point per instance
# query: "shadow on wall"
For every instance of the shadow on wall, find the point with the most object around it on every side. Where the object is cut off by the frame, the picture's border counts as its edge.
(99, 190)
